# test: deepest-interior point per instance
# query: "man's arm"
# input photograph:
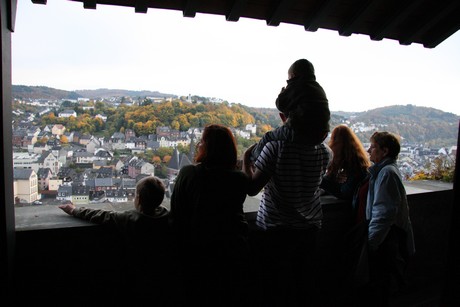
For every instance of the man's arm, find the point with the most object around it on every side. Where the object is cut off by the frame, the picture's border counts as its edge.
(257, 179)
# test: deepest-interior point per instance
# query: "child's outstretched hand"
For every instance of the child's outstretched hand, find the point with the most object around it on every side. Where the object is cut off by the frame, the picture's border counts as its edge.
(67, 208)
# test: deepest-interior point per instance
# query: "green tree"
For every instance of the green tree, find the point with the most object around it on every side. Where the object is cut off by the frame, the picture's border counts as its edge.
(164, 151)
(161, 171)
(183, 122)
(183, 149)
(175, 125)
(68, 104)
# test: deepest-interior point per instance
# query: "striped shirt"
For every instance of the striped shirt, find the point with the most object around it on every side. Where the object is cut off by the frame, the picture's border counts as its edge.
(291, 196)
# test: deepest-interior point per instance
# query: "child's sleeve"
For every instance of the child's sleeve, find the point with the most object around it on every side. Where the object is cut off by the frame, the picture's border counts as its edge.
(98, 216)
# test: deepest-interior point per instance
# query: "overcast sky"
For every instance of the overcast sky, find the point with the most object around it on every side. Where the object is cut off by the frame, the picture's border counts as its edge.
(64, 46)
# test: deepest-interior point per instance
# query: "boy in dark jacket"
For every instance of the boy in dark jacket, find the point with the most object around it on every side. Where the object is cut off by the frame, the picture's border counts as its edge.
(148, 212)
(145, 261)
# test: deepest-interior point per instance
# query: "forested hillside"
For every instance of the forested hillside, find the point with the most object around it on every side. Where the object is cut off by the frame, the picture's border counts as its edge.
(41, 92)
(416, 125)
(103, 93)
(421, 125)
(145, 119)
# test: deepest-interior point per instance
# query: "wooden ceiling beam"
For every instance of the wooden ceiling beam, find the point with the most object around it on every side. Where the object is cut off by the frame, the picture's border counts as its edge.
(446, 32)
(358, 15)
(89, 4)
(420, 21)
(316, 15)
(140, 6)
(279, 12)
(189, 9)
(395, 19)
(421, 29)
(236, 10)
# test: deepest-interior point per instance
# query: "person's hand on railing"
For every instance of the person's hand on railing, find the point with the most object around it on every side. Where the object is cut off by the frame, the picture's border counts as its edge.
(67, 208)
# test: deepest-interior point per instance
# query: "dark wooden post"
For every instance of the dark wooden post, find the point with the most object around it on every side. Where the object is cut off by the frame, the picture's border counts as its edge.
(451, 295)
(7, 229)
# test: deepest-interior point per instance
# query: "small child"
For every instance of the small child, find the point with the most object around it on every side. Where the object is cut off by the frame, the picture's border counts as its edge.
(303, 107)
(146, 256)
(148, 215)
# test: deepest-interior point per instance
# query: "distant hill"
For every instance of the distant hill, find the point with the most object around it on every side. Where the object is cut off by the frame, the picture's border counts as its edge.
(408, 114)
(105, 93)
(421, 125)
(416, 125)
(42, 92)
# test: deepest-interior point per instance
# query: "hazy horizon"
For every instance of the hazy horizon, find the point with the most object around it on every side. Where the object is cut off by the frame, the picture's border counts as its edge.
(223, 98)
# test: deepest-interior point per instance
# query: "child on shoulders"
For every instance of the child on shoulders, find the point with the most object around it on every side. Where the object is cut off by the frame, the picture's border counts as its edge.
(294, 111)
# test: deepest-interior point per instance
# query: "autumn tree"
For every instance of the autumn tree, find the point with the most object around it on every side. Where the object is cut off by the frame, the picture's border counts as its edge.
(193, 120)
(166, 112)
(71, 124)
(48, 119)
(164, 151)
(262, 129)
(183, 149)
(175, 125)
(42, 140)
(64, 139)
(166, 159)
(184, 124)
(145, 118)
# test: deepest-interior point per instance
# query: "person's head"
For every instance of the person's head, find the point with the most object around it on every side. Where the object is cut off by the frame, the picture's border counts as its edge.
(301, 69)
(302, 88)
(306, 108)
(383, 144)
(149, 194)
(217, 148)
(348, 150)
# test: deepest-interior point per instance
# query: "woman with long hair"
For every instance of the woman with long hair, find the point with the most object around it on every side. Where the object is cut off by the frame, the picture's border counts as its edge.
(349, 164)
(207, 217)
(339, 253)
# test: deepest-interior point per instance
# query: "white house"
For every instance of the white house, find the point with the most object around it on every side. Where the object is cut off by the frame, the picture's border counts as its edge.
(92, 145)
(54, 183)
(116, 196)
(67, 113)
(83, 157)
(25, 185)
(58, 129)
(48, 160)
(102, 116)
(243, 134)
(252, 128)
(26, 160)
